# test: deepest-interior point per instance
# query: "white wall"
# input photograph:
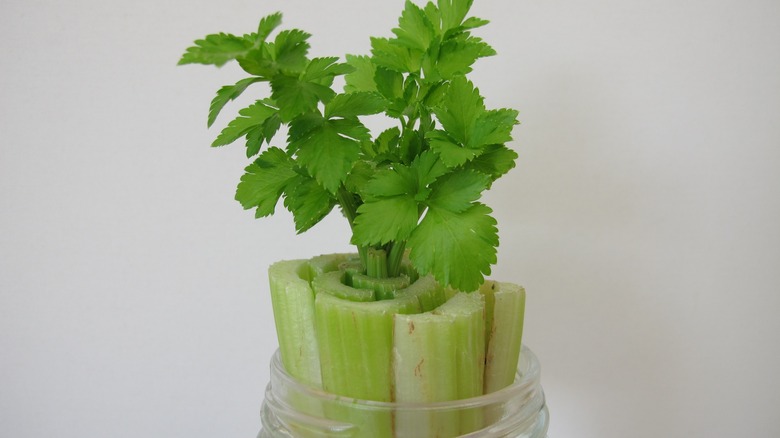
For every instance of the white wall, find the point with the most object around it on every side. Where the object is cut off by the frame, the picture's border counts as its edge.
(643, 217)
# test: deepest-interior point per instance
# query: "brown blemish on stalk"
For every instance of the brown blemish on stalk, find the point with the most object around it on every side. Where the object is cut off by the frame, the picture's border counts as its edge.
(411, 327)
(418, 368)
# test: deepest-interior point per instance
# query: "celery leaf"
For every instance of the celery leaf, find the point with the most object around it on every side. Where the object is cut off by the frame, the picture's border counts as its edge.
(355, 104)
(456, 191)
(226, 94)
(216, 49)
(457, 248)
(265, 180)
(384, 220)
(307, 201)
(249, 117)
(327, 155)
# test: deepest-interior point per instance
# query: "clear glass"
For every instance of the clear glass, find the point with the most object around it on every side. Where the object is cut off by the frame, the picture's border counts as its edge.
(292, 409)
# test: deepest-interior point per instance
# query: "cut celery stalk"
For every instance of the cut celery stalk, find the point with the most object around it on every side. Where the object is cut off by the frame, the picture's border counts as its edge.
(385, 288)
(408, 269)
(355, 342)
(439, 356)
(292, 299)
(505, 330)
(427, 291)
(350, 268)
(328, 262)
(332, 283)
(468, 309)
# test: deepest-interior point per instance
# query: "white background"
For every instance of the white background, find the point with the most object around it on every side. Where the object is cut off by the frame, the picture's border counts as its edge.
(643, 216)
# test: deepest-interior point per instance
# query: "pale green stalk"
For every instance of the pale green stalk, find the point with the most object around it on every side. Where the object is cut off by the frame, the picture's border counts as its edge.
(329, 262)
(333, 283)
(427, 291)
(505, 331)
(293, 303)
(355, 341)
(385, 288)
(439, 356)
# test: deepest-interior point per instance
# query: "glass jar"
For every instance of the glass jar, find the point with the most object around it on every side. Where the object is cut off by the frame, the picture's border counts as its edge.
(292, 409)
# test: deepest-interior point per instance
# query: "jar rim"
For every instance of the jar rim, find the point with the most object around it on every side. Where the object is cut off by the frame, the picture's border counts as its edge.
(527, 379)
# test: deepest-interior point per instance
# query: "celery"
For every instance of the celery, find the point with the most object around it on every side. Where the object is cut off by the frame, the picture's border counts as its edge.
(355, 343)
(356, 340)
(329, 262)
(504, 333)
(293, 303)
(333, 283)
(385, 288)
(439, 356)
(427, 291)
(411, 195)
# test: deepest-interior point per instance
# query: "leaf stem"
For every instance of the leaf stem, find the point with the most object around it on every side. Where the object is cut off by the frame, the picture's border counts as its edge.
(376, 263)
(394, 257)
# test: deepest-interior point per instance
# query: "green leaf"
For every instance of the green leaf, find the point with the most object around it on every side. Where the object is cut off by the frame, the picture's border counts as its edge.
(265, 180)
(389, 83)
(493, 127)
(457, 248)
(362, 172)
(391, 182)
(428, 168)
(259, 62)
(496, 161)
(268, 24)
(216, 49)
(351, 128)
(301, 126)
(254, 140)
(453, 12)
(434, 17)
(355, 104)
(473, 23)
(385, 220)
(226, 94)
(451, 153)
(296, 97)
(414, 30)
(261, 133)
(249, 117)
(467, 25)
(327, 68)
(460, 108)
(458, 55)
(327, 156)
(386, 143)
(362, 77)
(290, 49)
(455, 192)
(307, 201)
(394, 57)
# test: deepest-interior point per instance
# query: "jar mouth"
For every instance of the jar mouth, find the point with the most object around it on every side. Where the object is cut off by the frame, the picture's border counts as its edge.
(527, 381)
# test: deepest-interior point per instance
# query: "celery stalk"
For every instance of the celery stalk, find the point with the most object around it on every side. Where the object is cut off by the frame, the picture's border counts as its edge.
(329, 262)
(427, 291)
(469, 312)
(292, 299)
(385, 288)
(504, 334)
(439, 356)
(355, 342)
(333, 283)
